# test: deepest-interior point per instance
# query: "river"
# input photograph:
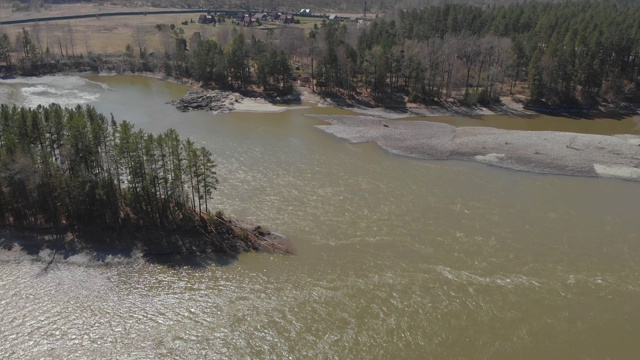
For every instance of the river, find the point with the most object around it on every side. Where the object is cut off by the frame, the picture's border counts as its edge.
(397, 258)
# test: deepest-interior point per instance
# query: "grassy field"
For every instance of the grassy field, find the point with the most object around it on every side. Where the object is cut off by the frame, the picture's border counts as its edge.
(112, 34)
(6, 12)
(107, 35)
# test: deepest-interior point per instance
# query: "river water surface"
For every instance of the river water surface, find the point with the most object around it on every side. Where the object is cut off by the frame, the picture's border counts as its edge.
(397, 258)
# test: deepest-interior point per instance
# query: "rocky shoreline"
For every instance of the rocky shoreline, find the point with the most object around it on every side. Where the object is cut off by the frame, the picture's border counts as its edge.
(218, 102)
(218, 236)
(544, 152)
(221, 102)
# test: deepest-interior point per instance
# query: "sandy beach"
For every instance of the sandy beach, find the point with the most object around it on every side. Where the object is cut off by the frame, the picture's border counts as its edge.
(244, 104)
(545, 152)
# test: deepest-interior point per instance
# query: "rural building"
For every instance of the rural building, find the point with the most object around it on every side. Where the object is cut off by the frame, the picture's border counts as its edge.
(240, 16)
(207, 19)
(289, 19)
(276, 16)
(250, 20)
(305, 11)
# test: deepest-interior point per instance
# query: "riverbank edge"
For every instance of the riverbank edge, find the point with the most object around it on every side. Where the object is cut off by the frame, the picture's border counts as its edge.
(515, 106)
(542, 152)
(214, 235)
(508, 105)
(257, 101)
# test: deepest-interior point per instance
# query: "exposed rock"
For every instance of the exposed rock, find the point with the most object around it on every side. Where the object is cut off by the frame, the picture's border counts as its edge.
(219, 102)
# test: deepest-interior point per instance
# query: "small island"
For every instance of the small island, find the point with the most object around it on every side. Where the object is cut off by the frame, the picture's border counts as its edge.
(72, 180)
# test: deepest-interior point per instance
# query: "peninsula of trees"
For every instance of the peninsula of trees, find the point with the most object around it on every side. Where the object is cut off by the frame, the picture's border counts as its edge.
(72, 169)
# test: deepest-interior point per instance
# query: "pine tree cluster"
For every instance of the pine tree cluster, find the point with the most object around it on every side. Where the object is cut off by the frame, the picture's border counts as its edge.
(63, 167)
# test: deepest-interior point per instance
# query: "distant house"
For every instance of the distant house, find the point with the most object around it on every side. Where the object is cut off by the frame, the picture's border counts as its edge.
(305, 11)
(275, 15)
(247, 21)
(250, 20)
(334, 17)
(264, 17)
(207, 19)
(289, 19)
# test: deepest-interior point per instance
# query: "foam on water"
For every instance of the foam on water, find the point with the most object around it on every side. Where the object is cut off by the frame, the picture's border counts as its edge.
(44, 95)
(64, 90)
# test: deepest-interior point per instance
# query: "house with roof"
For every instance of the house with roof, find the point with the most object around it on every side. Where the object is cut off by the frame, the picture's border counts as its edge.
(275, 15)
(241, 15)
(207, 19)
(250, 20)
(289, 19)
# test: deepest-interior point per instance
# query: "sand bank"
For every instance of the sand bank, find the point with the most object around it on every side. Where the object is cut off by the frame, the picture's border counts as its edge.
(545, 152)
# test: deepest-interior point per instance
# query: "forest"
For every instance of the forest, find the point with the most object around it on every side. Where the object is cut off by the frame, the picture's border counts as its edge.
(62, 167)
(566, 53)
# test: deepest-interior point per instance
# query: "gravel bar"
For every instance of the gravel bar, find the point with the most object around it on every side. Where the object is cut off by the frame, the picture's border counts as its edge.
(544, 152)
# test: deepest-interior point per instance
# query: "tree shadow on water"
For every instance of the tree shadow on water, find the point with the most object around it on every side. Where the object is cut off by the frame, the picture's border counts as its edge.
(103, 247)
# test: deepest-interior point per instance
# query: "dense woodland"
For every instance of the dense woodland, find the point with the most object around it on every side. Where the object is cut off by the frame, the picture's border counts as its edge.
(569, 53)
(565, 52)
(74, 167)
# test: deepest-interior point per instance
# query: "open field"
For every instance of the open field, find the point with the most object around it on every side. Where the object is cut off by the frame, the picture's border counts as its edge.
(105, 35)
(108, 35)
(6, 12)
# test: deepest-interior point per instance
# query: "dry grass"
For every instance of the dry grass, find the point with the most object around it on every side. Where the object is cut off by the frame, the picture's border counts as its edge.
(105, 35)
(6, 12)
(112, 34)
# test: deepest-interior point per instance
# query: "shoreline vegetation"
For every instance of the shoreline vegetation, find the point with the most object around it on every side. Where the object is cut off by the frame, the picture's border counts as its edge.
(72, 181)
(441, 59)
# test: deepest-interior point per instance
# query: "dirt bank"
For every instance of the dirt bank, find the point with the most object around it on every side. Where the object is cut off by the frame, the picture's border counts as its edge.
(545, 152)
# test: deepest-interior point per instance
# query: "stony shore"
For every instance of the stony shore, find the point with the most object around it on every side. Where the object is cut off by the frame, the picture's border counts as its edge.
(545, 152)
(220, 102)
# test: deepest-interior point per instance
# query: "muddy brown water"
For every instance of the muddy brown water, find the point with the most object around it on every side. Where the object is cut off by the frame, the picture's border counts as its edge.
(397, 258)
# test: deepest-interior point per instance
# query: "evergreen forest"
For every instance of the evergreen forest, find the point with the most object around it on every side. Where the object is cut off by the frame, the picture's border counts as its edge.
(566, 52)
(62, 167)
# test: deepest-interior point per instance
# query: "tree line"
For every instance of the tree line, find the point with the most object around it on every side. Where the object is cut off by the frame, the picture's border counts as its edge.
(571, 52)
(237, 62)
(566, 52)
(74, 167)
